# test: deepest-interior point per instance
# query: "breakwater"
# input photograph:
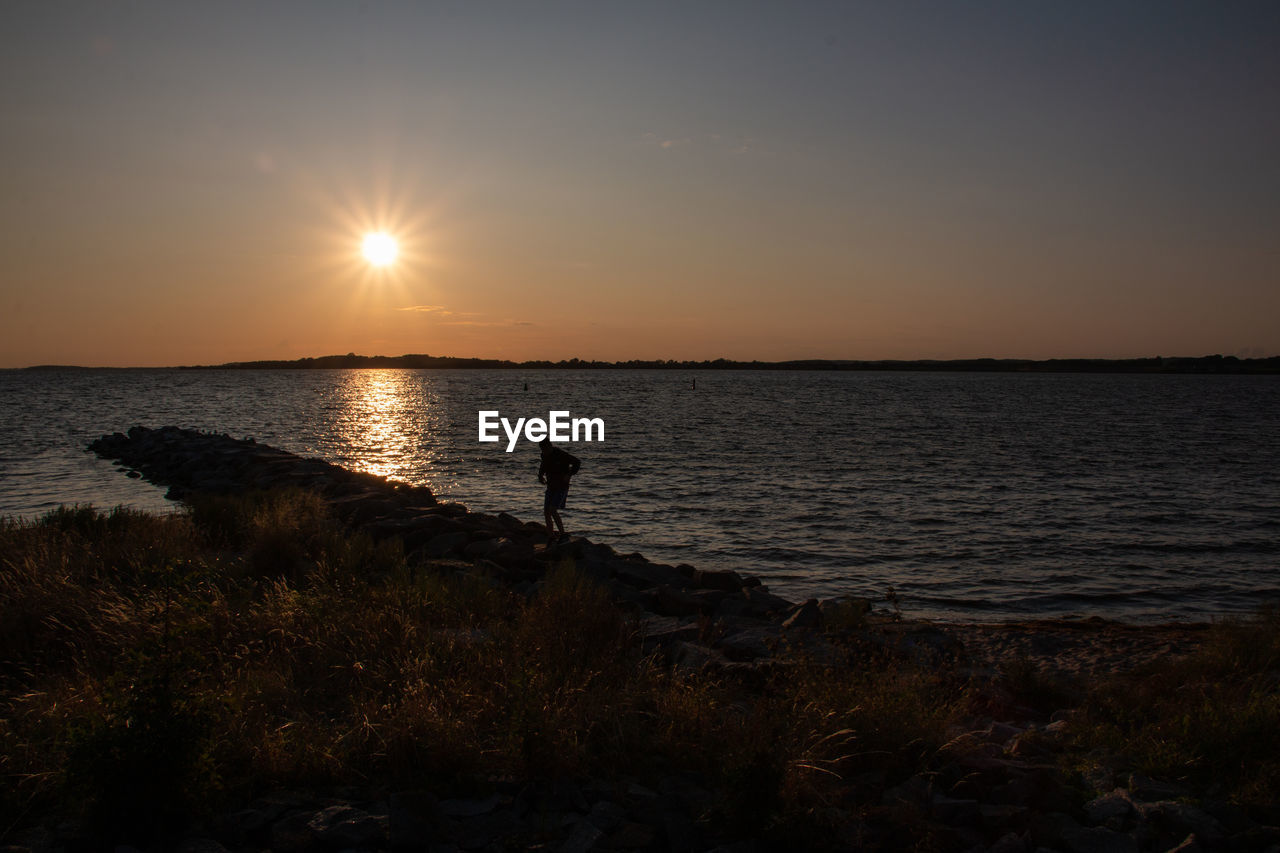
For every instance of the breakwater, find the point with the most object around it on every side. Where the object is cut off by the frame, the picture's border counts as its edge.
(446, 536)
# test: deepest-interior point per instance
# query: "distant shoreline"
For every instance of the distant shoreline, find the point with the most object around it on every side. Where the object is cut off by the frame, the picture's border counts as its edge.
(1209, 364)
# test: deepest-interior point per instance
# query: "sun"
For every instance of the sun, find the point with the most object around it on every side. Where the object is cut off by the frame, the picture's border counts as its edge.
(380, 248)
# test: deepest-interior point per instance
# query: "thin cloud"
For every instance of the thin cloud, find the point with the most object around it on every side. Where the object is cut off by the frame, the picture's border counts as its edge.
(664, 143)
(488, 323)
(460, 318)
(735, 144)
(428, 309)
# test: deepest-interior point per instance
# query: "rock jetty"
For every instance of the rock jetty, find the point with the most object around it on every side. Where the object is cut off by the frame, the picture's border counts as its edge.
(670, 601)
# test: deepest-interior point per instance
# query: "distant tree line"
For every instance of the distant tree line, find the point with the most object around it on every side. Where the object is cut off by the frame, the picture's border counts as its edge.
(1202, 364)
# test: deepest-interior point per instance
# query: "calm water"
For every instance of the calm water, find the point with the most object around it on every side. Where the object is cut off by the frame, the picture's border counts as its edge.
(972, 495)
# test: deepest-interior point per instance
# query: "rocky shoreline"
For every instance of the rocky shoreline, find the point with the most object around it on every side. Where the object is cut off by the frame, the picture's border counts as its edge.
(998, 787)
(669, 600)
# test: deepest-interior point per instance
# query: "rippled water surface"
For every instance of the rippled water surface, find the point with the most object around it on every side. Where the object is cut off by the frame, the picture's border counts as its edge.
(972, 495)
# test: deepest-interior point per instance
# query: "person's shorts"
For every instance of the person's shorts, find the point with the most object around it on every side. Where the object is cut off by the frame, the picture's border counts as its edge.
(555, 499)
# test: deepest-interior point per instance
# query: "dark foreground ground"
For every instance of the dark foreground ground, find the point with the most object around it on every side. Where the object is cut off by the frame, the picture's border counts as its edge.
(309, 659)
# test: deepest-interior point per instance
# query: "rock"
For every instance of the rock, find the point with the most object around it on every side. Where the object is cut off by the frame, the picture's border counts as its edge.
(1115, 806)
(1010, 842)
(469, 807)
(201, 845)
(407, 528)
(631, 836)
(606, 816)
(749, 644)
(918, 790)
(365, 508)
(1002, 733)
(190, 462)
(1097, 839)
(1030, 745)
(36, 839)
(759, 602)
(955, 812)
(479, 548)
(806, 615)
(412, 818)
(1182, 819)
(1056, 728)
(1233, 818)
(681, 835)
(345, 826)
(1146, 790)
(512, 553)
(583, 838)
(660, 631)
(996, 817)
(645, 575)
(844, 613)
(668, 601)
(709, 600)
(487, 831)
(724, 580)
(1049, 829)
(554, 795)
(967, 788)
(638, 791)
(1190, 844)
(292, 833)
(510, 522)
(1257, 838)
(446, 543)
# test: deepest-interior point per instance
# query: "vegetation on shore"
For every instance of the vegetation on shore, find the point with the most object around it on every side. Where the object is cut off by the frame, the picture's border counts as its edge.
(1157, 364)
(153, 668)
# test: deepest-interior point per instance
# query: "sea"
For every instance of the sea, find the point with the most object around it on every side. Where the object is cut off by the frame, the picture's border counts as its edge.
(955, 496)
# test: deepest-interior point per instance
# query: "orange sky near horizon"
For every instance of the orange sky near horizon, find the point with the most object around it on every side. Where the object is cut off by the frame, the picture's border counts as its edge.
(188, 186)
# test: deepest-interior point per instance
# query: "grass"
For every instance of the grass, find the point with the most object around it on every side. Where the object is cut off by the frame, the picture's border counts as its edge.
(156, 668)
(1210, 722)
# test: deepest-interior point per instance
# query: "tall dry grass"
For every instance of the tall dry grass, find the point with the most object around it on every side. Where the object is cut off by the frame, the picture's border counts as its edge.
(1210, 721)
(156, 667)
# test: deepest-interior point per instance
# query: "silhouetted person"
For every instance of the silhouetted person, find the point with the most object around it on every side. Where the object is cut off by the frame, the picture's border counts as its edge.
(555, 470)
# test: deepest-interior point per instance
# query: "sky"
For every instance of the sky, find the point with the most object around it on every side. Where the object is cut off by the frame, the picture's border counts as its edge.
(190, 183)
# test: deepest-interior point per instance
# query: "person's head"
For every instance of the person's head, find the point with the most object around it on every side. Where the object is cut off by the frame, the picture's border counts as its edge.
(545, 446)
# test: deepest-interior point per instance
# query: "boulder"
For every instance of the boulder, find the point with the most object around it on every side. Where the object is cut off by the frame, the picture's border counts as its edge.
(512, 553)
(659, 631)
(292, 833)
(343, 826)
(726, 580)
(1108, 808)
(645, 575)
(446, 543)
(760, 602)
(749, 644)
(412, 818)
(805, 615)
(479, 548)
(668, 601)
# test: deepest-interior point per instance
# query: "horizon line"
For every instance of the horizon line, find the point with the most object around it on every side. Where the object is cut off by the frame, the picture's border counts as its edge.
(309, 362)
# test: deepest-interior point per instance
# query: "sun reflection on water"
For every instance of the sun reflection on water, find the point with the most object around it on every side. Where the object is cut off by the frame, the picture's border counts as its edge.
(386, 423)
